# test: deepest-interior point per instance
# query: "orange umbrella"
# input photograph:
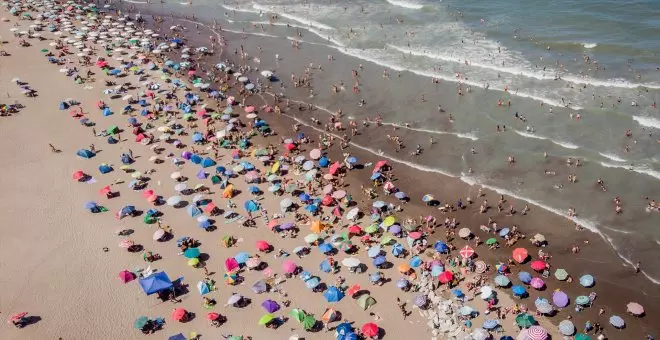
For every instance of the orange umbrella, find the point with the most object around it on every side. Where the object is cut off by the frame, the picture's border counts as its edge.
(316, 227)
(179, 314)
(404, 267)
(351, 291)
(520, 255)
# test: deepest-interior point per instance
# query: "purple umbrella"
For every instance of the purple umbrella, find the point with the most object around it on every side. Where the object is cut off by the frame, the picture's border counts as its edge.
(186, 155)
(201, 174)
(286, 226)
(560, 299)
(420, 300)
(537, 283)
(270, 306)
(395, 229)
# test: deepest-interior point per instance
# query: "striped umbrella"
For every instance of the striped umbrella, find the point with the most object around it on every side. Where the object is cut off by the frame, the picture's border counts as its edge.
(480, 267)
(566, 327)
(537, 333)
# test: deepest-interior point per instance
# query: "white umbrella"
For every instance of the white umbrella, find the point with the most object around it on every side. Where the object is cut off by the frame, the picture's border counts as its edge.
(351, 262)
(180, 187)
(174, 200)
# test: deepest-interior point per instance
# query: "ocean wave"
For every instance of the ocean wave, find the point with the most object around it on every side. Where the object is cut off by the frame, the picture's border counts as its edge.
(640, 169)
(619, 230)
(305, 21)
(437, 132)
(530, 135)
(589, 45)
(612, 157)
(405, 4)
(241, 9)
(566, 145)
(647, 121)
(587, 224)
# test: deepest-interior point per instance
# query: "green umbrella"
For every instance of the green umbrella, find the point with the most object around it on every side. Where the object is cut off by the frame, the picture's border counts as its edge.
(309, 322)
(525, 320)
(502, 281)
(113, 129)
(236, 337)
(149, 219)
(371, 229)
(582, 300)
(581, 336)
(141, 322)
(44, 50)
(491, 241)
(297, 314)
(386, 240)
(561, 274)
(266, 319)
(365, 301)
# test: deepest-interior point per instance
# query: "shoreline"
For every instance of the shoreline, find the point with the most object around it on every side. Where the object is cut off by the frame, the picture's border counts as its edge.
(561, 251)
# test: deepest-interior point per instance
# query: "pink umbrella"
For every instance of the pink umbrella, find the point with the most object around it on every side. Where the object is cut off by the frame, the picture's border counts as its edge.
(263, 245)
(467, 252)
(334, 168)
(315, 154)
(339, 194)
(253, 262)
(635, 308)
(231, 264)
(327, 189)
(415, 235)
(537, 283)
(125, 276)
(249, 109)
(289, 266)
(126, 243)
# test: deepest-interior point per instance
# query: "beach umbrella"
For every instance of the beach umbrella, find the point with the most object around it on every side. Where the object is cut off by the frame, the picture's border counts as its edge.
(525, 320)
(308, 322)
(177, 336)
(466, 252)
(537, 283)
(234, 299)
(158, 234)
(404, 267)
(126, 243)
(253, 262)
(191, 253)
(141, 322)
(313, 282)
(491, 241)
(587, 280)
(311, 238)
(402, 283)
(544, 307)
(374, 251)
(520, 255)
(441, 247)
(397, 249)
(203, 288)
(525, 277)
(480, 267)
(333, 294)
(538, 265)
(566, 327)
(415, 261)
(289, 266)
(125, 276)
(263, 245)
(518, 290)
(581, 336)
(266, 319)
(486, 292)
(297, 314)
(560, 299)
(561, 274)
(231, 264)
(193, 262)
(179, 314)
(635, 308)
(446, 277)
(464, 233)
(212, 316)
(582, 300)
(370, 329)
(479, 334)
(270, 306)
(351, 262)
(174, 200)
(259, 287)
(436, 270)
(617, 321)
(427, 198)
(420, 300)
(242, 257)
(490, 324)
(537, 333)
(466, 310)
(502, 281)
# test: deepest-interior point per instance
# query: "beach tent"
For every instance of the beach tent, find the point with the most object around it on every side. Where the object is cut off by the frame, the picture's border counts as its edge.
(155, 283)
(104, 168)
(203, 288)
(365, 301)
(177, 337)
(333, 294)
(193, 211)
(84, 153)
(63, 106)
(207, 162)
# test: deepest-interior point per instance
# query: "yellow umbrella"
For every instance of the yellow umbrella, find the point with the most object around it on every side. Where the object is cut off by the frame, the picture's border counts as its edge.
(275, 167)
(388, 221)
(193, 262)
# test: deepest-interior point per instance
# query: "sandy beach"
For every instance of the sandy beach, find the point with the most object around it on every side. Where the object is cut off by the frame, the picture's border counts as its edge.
(61, 262)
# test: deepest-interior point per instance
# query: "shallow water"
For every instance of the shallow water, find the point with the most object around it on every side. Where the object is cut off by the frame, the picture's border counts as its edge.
(534, 49)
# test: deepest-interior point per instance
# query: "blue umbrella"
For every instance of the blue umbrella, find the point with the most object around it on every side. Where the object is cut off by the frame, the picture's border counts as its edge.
(177, 337)
(304, 197)
(437, 270)
(254, 190)
(374, 251)
(490, 324)
(324, 162)
(379, 260)
(504, 232)
(415, 261)
(375, 175)
(251, 206)
(325, 248)
(205, 224)
(351, 160)
(333, 294)
(379, 204)
(242, 257)
(617, 321)
(156, 283)
(193, 211)
(324, 266)
(441, 247)
(375, 277)
(312, 208)
(312, 283)
(402, 283)
(191, 253)
(397, 249)
(400, 195)
(343, 328)
(457, 292)
(305, 275)
(518, 290)
(587, 280)
(525, 277)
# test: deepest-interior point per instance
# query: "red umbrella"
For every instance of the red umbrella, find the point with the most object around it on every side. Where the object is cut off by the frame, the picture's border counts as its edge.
(290, 146)
(445, 277)
(520, 255)
(351, 291)
(125, 276)
(467, 252)
(538, 265)
(370, 329)
(179, 314)
(147, 193)
(213, 316)
(327, 200)
(17, 316)
(273, 223)
(354, 229)
(152, 198)
(78, 175)
(263, 245)
(379, 165)
(231, 264)
(105, 190)
(415, 235)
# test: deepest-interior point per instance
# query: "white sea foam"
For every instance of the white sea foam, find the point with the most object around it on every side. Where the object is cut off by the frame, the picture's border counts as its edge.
(647, 121)
(530, 135)
(241, 9)
(305, 21)
(405, 4)
(589, 45)
(640, 169)
(612, 157)
(437, 132)
(566, 145)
